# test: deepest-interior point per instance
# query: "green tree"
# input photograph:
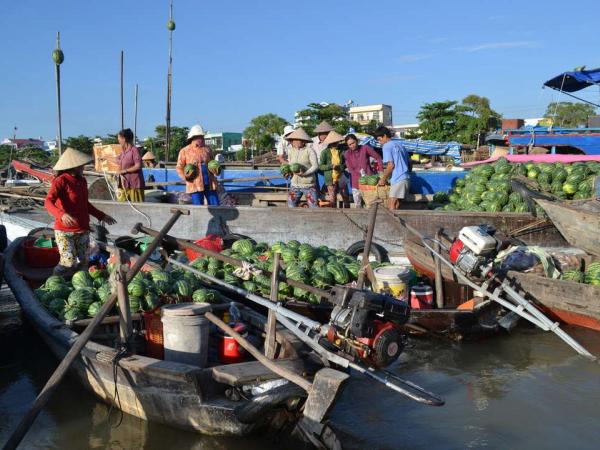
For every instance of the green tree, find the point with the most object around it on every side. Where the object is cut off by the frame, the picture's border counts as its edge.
(569, 114)
(336, 115)
(438, 121)
(82, 143)
(262, 130)
(475, 117)
(108, 139)
(178, 141)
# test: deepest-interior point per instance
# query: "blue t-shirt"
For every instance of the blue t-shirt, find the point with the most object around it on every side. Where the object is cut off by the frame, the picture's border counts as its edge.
(394, 151)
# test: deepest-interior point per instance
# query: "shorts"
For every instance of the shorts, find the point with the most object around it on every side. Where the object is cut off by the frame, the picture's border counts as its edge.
(400, 189)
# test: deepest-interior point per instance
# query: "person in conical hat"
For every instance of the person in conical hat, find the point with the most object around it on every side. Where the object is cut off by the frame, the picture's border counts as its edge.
(304, 163)
(192, 166)
(321, 132)
(332, 165)
(67, 201)
(149, 160)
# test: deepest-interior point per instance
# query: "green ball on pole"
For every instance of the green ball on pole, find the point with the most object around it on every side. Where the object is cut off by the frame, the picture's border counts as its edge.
(171, 25)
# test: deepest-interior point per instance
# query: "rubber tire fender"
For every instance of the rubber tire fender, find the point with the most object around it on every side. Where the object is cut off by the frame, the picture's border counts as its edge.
(380, 253)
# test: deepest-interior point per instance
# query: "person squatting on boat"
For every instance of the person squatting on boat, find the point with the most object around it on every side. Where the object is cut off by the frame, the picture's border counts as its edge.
(332, 164)
(67, 201)
(397, 168)
(303, 182)
(192, 166)
(357, 159)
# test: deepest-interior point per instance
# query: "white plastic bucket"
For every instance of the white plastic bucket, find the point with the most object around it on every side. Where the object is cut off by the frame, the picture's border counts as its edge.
(393, 280)
(185, 333)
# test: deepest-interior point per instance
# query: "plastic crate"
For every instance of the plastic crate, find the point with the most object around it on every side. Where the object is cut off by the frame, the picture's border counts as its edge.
(154, 334)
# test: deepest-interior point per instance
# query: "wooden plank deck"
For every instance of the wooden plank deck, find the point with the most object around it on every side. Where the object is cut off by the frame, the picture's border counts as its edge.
(10, 311)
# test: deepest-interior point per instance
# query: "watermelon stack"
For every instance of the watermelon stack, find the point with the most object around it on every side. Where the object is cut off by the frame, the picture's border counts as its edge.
(487, 186)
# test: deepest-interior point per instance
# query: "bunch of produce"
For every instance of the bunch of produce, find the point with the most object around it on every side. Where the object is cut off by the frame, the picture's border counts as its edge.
(370, 180)
(321, 267)
(590, 276)
(487, 187)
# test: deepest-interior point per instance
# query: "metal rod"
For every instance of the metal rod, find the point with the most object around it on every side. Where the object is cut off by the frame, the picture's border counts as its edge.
(439, 282)
(270, 342)
(81, 341)
(369, 239)
(122, 99)
(58, 106)
(135, 115)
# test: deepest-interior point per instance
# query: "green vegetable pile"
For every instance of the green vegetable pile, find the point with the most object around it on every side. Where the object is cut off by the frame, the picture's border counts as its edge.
(590, 276)
(487, 187)
(321, 267)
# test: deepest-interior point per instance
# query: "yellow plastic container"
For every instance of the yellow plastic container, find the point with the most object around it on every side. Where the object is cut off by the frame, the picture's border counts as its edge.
(393, 280)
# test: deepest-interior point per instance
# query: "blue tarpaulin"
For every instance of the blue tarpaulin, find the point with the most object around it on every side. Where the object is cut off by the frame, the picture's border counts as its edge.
(574, 81)
(451, 149)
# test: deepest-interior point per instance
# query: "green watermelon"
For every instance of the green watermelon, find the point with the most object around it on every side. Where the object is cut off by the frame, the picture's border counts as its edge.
(72, 313)
(243, 247)
(214, 166)
(104, 292)
(573, 275)
(306, 253)
(533, 173)
(190, 171)
(43, 296)
(182, 288)
(135, 304)
(54, 281)
(136, 288)
(82, 279)
(569, 188)
(161, 275)
(250, 286)
(94, 308)
(285, 170)
(57, 307)
(151, 301)
(296, 168)
(339, 272)
(82, 298)
(363, 180)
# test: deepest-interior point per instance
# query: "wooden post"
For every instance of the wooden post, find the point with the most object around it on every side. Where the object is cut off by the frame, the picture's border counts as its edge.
(125, 327)
(57, 73)
(439, 282)
(169, 85)
(365, 261)
(135, 107)
(122, 100)
(270, 342)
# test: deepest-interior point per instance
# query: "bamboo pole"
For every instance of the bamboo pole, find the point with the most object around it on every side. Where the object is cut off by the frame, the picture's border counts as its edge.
(122, 99)
(369, 239)
(125, 327)
(439, 282)
(58, 106)
(135, 115)
(169, 84)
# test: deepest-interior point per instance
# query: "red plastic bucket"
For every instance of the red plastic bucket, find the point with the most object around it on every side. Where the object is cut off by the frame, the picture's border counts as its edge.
(421, 297)
(230, 351)
(209, 242)
(40, 257)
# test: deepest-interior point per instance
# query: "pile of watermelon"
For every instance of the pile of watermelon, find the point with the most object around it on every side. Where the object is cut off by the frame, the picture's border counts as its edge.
(369, 180)
(487, 187)
(590, 276)
(88, 291)
(321, 267)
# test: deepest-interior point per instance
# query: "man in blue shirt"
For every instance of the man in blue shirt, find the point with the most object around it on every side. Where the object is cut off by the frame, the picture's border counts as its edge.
(397, 169)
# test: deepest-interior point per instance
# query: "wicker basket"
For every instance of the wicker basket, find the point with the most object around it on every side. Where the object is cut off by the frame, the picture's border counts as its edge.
(374, 193)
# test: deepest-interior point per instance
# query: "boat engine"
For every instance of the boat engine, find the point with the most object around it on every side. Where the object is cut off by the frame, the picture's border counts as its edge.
(367, 325)
(474, 250)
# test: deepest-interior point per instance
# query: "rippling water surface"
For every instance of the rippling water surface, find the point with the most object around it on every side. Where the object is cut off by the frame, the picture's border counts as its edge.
(524, 390)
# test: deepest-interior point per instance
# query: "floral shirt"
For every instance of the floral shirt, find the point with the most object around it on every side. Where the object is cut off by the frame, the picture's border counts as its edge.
(196, 155)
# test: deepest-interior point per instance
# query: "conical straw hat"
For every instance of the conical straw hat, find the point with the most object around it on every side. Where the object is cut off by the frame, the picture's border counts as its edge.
(299, 134)
(333, 137)
(323, 127)
(72, 158)
(148, 155)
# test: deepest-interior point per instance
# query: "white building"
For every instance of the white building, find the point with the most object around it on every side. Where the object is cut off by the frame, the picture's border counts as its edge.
(364, 114)
(402, 130)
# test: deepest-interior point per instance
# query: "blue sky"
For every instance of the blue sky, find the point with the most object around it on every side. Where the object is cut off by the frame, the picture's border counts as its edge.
(234, 60)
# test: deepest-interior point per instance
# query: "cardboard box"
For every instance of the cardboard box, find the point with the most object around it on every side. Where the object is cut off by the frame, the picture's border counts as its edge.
(512, 124)
(104, 151)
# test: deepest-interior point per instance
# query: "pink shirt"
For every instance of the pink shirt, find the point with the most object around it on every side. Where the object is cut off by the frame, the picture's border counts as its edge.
(127, 160)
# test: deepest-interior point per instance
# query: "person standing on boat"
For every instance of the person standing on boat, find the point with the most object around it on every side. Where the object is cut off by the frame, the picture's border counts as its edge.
(357, 159)
(67, 201)
(397, 169)
(130, 168)
(332, 165)
(283, 146)
(303, 182)
(200, 183)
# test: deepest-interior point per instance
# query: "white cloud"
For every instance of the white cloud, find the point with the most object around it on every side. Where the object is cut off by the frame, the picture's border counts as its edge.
(499, 46)
(413, 58)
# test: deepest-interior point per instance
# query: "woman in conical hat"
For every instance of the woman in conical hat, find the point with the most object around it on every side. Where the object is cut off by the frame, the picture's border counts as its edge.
(332, 164)
(67, 201)
(303, 159)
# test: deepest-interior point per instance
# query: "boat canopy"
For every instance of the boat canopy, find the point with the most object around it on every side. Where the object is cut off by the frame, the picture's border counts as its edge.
(574, 81)
(451, 149)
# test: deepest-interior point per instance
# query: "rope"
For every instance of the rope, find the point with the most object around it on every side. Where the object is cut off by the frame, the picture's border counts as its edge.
(111, 191)
(115, 364)
(364, 230)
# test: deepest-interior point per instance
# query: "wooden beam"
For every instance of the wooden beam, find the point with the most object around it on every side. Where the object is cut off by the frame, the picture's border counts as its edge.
(270, 343)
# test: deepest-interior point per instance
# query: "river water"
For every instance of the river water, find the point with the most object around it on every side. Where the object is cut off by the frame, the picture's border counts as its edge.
(519, 391)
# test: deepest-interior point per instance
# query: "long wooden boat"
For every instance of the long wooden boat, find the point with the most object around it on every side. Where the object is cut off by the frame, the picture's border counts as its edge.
(570, 302)
(211, 400)
(578, 221)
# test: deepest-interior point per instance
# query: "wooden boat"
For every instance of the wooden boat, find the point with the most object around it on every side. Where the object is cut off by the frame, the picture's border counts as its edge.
(578, 221)
(210, 400)
(570, 302)
(479, 318)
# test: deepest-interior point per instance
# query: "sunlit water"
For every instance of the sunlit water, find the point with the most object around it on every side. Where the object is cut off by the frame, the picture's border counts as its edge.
(525, 390)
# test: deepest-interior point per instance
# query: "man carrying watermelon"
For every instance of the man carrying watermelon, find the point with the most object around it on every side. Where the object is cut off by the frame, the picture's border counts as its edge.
(196, 167)
(397, 169)
(304, 166)
(67, 201)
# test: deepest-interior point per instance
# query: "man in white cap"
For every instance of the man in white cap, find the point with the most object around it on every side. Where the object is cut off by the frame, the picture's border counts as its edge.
(67, 201)
(192, 166)
(283, 146)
